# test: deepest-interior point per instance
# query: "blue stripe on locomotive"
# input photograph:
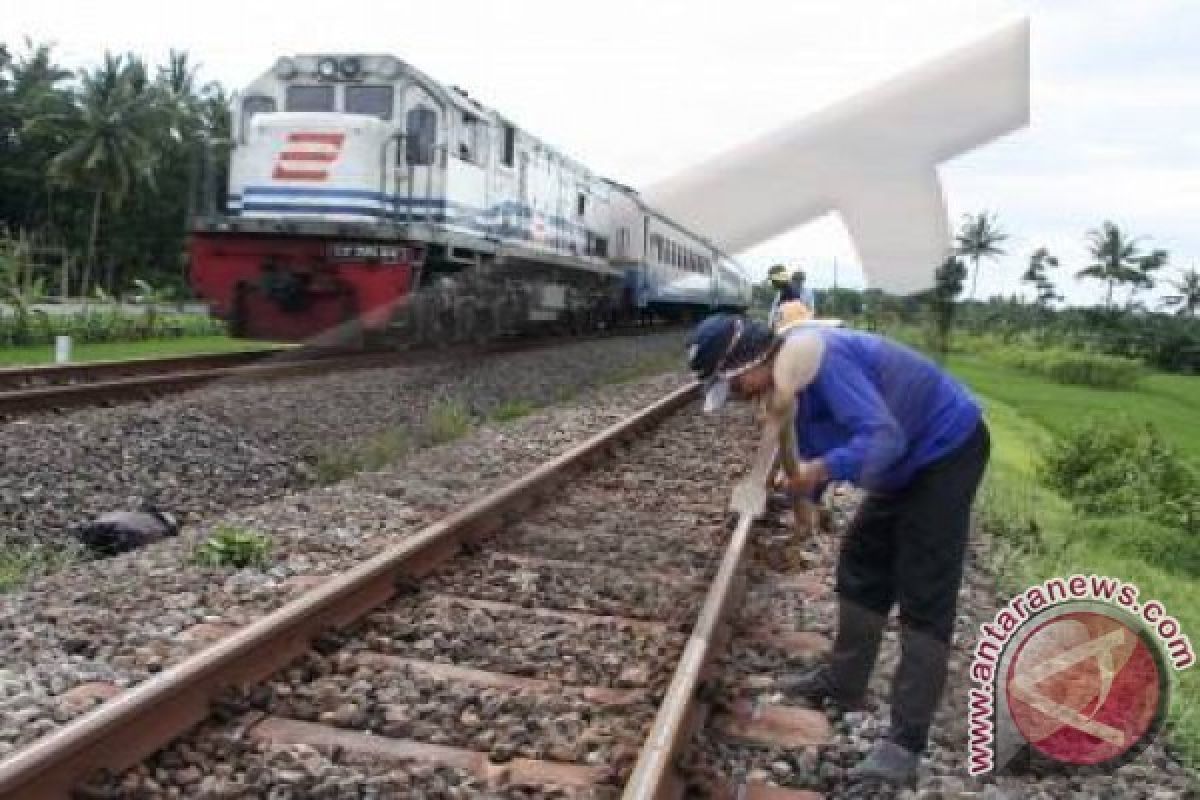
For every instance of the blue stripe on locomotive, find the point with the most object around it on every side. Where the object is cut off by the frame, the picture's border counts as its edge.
(646, 282)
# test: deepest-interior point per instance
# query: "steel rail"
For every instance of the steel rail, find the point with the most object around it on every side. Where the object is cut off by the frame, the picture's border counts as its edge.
(121, 390)
(41, 375)
(141, 720)
(144, 379)
(653, 776)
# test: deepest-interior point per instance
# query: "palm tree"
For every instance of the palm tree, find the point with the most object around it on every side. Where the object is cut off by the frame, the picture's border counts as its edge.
(978, 238)
(1119, 260)
(30, 91)
(112, 148)
(1146, 266)
(1039, 261)
(1188, 286)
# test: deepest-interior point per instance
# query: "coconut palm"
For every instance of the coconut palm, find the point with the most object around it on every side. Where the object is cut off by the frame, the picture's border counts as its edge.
(979, 238)
(112, 149)
(1188, 286)
(1119, 260)
(1146, 267)
(29, 90)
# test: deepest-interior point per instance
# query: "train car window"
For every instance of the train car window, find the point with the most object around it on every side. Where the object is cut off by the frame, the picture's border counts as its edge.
(372, 101)
(309, 98)
(508, 155)
(420, 136)
(472, 140)
(580, 204)
(602, 246)
(255, 104)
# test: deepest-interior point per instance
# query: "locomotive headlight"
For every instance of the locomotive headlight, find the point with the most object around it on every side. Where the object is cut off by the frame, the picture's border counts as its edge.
(388, 68)
(351, 68)
(285, 69)
(327, 69)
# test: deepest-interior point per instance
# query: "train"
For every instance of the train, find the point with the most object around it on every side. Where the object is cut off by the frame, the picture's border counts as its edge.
(366, 198)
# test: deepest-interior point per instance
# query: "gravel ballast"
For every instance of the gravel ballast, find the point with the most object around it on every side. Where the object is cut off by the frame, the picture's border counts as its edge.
(222, 447)
(123, 619)
(348, 683)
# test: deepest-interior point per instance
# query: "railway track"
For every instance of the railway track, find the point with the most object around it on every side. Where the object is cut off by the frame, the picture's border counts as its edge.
(27, 390)
(59, 387)
(556, 638)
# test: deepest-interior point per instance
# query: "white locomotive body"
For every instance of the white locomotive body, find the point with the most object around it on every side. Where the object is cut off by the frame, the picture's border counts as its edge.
(361, 190)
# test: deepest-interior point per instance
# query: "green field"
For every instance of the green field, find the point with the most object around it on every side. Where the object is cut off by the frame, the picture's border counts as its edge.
(1039, 535)
(117, 351)
(1169, 402)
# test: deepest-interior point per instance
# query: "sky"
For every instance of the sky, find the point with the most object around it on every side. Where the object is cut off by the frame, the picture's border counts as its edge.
(640, 89)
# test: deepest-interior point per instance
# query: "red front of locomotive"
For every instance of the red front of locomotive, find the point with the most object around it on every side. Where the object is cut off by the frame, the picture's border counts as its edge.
(296, 287)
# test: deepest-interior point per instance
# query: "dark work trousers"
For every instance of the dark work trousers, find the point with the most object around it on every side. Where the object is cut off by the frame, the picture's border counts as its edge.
(907, 548)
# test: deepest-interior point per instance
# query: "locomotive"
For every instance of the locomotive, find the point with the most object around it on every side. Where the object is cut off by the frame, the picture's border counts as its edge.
(364, 197)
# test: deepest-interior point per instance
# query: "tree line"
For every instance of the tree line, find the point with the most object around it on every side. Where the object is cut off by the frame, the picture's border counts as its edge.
(107, 161)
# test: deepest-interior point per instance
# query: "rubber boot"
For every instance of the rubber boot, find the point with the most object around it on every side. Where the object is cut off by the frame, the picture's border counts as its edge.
(888, 763)
(844, 680)
(855, 648)
(917, 687)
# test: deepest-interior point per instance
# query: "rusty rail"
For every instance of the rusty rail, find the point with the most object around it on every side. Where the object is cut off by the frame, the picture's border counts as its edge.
(680, 714)
(134, 724)
(147, 386)
(43, 375)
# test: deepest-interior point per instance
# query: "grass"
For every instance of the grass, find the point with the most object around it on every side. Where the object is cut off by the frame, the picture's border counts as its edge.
(26, 355)
(19, 563)
(1170, 402)
(447, 421)
(513, 409)
(231, 546)
(340, 463)
(1039, 536)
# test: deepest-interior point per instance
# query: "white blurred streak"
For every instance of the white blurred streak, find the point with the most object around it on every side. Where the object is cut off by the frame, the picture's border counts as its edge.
(873, 158)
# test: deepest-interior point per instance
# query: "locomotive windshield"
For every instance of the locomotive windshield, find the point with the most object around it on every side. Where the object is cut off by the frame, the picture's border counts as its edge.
(373, 101)
(309, 98)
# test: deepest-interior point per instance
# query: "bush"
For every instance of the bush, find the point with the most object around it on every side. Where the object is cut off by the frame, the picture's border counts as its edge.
(1171, 549)
(103, 323)
(1075, 367)
(228, 546)
(1118, 467)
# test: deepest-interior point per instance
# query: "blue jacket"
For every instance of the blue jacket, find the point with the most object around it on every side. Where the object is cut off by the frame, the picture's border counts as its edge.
(877, 412)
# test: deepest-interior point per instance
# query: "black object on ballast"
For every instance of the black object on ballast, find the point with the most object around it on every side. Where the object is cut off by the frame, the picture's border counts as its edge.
(121, 531)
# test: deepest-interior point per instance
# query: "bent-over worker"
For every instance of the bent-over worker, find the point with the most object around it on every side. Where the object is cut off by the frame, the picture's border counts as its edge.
(876, 414)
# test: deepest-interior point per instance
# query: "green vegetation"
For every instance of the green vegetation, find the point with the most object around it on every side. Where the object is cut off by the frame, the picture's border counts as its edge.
(1122, 492)
(1038, 535)
(513, 409)
(1170, 402)
(1120, 467)
(230, 546)
(340, 463)
(1074, 366)
(121, 351)
(127, 147)
(104, 324)
(447, 421)
(23, 561)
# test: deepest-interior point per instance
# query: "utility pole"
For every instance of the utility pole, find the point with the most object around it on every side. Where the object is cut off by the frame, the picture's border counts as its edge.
(835, 286)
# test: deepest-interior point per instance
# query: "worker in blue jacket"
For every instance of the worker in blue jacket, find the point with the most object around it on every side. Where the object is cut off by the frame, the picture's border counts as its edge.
(874, 413)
